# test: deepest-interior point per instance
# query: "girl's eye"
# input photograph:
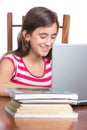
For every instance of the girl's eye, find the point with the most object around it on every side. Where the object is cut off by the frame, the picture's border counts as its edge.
(42, 37)
(53, 37)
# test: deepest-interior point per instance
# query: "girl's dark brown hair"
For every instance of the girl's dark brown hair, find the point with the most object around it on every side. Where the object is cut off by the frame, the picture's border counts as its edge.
(36, 17)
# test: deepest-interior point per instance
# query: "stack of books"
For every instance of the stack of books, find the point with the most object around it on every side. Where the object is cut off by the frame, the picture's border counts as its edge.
(41, 103)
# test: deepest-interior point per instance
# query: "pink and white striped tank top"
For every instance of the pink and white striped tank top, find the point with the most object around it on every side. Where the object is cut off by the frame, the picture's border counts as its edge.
(21, 74)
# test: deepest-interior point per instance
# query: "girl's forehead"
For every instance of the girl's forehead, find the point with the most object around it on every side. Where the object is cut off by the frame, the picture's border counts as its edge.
(52, 28)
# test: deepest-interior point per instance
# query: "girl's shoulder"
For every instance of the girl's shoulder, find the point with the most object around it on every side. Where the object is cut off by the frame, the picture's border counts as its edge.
(12, 56)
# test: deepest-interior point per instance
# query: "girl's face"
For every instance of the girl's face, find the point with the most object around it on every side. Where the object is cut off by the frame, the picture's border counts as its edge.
(42, 39)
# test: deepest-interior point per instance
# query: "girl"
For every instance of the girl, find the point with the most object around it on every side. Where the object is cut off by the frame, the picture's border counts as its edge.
(30, 64)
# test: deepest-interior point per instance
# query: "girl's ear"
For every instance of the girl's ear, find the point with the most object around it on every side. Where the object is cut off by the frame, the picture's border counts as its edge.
(26, 36)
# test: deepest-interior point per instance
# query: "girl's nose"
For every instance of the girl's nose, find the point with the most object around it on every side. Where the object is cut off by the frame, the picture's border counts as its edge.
(48, 42)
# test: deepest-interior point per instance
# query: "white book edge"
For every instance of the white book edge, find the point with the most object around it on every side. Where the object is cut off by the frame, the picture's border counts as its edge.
(42, 95)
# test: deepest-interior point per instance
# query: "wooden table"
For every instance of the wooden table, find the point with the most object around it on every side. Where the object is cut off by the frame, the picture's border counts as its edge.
(9, 123)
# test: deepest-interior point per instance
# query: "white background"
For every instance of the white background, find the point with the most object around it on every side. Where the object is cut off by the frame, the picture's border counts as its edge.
(77, 9)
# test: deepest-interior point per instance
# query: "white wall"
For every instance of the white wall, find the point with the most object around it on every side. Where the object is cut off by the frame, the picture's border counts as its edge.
(76, 9)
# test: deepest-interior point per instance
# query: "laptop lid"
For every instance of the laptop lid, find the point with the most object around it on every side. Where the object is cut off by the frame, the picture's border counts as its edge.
(69, 62)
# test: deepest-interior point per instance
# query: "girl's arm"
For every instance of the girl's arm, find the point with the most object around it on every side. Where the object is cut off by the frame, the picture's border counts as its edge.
(6, 71)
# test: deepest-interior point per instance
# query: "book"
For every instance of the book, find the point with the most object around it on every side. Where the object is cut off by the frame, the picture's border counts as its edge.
(40, 103)
(48, 101)
(30, 93)
(41, 111)
(40, 108)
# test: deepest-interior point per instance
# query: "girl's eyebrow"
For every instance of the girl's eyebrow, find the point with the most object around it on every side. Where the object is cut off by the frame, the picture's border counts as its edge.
(43, 34)
(47, 34)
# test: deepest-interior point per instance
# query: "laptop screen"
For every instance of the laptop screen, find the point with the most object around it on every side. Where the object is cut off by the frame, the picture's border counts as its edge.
(69, 69)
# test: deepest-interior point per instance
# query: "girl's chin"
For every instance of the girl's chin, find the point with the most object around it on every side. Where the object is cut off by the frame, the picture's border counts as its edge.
(45, 54)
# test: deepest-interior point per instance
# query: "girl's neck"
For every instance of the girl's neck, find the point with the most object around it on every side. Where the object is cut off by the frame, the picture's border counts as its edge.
(34, 58)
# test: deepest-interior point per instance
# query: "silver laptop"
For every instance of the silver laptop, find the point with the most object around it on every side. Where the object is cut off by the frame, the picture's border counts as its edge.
(69, 72)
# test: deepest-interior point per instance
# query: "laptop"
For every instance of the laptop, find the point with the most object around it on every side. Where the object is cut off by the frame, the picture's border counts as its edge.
(69, 69)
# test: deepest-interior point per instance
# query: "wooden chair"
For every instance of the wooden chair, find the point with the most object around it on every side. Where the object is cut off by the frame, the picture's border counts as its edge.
(65, 29)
